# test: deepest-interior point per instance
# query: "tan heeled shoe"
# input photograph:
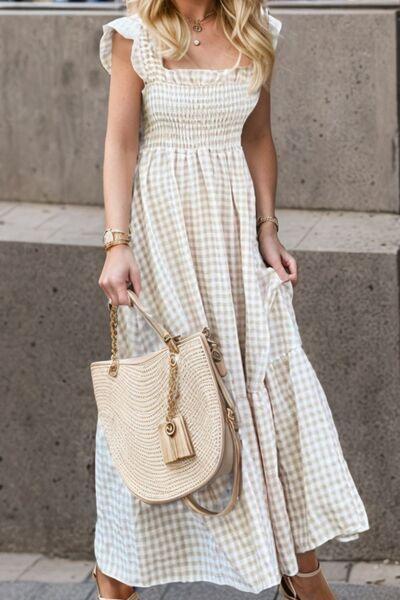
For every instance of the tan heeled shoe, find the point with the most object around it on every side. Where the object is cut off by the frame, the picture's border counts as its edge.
(286, 588)
(133, 596)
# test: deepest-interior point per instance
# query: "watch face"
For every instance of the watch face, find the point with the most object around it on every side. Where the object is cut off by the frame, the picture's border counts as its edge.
(108, 237)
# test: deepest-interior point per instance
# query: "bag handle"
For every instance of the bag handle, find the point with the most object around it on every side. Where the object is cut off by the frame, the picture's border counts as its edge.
(156, 325)
(189, 501)
(193, 505)
(161, 331)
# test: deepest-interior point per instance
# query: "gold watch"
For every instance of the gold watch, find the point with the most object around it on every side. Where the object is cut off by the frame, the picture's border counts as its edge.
(114, 237)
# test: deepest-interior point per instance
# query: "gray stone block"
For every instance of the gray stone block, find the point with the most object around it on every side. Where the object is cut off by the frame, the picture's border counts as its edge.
(336, 570)
(348, 312)
(334, 108)
(57, 570)
(53, 106)
(13, 566)
(54, 322)
(51, 223)
(378, 574)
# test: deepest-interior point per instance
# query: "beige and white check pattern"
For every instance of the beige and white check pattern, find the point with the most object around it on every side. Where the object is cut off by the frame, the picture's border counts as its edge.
(193, 218)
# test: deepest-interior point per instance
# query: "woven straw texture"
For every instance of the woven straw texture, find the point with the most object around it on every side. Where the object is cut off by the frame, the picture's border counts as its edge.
(193, 214)
(133, 404)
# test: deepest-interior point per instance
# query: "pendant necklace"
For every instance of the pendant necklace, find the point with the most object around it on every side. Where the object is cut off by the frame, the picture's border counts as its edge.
(197, 25)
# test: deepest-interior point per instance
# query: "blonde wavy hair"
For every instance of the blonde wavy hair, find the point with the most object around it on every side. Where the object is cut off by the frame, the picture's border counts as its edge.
(243, 21)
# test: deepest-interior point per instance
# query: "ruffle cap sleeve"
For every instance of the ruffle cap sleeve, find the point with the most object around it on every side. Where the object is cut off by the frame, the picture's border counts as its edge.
(274, 25)
(128, 27)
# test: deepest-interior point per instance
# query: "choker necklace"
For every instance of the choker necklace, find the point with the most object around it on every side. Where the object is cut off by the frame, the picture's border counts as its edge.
(197, 25)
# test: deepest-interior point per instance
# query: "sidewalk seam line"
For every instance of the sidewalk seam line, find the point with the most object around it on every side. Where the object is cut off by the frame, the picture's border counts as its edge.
(30, 567)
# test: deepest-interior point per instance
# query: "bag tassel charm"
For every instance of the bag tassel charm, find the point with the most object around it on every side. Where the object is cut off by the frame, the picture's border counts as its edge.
(175, 441)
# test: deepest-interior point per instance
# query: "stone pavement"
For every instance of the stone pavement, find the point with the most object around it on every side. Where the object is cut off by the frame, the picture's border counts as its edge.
(201, 591)
(35, 577)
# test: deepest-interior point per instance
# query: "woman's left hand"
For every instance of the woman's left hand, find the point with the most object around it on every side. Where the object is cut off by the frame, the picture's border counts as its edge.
(275, 254)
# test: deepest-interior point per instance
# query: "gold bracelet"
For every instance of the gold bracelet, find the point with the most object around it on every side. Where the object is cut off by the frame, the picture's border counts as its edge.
(116, 243)
(268, 219)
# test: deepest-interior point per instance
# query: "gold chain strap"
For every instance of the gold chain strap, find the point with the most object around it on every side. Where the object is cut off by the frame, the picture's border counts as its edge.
(172, 393)
(173, 370)
(113, 370)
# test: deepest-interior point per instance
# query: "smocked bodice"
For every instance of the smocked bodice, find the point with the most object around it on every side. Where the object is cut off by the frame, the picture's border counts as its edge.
(184, 116)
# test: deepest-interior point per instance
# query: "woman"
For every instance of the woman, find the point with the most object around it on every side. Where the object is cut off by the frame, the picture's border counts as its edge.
(189, 116)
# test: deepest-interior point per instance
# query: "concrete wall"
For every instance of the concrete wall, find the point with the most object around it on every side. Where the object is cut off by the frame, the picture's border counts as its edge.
(353, 340)
(52, 108)
(334, 104)
(335, 110)
(52, 327)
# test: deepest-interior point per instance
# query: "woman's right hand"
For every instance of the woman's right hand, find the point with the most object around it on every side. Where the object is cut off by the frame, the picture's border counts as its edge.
(120, 269)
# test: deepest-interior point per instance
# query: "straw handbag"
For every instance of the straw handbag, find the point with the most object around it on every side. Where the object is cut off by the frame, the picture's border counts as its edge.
(168, 418)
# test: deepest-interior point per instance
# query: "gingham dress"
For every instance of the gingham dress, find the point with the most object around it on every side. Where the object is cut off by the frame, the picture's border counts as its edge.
(193, 221)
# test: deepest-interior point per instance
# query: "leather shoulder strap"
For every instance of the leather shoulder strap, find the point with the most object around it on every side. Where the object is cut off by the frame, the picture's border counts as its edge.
(191, 503)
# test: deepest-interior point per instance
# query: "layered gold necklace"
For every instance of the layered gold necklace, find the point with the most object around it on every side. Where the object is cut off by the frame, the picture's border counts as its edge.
(197, 24)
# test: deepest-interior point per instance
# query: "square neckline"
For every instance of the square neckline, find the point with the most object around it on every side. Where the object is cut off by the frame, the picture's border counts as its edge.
(200, 69)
